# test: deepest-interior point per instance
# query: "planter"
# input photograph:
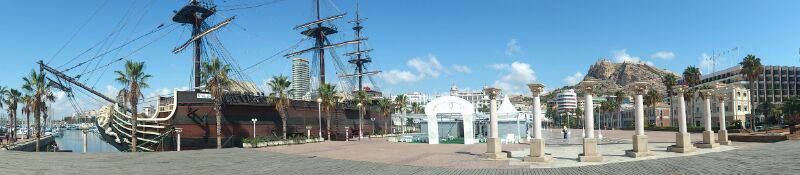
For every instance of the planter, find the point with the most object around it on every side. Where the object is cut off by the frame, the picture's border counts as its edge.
(282, 142)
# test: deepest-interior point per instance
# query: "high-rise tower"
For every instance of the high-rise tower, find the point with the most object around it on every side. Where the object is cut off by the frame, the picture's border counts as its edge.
(301, 78)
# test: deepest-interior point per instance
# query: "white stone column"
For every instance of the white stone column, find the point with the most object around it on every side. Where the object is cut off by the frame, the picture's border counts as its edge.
(723, 131)
(493, 118)
(708, 133)
(721, 114)
(537, 144)
(683, 141)
(588, 116)
(493, 147)
(707, 114)
(537, 116)
(682, 113)
(639, 115)
(640, 140)
(590, 152)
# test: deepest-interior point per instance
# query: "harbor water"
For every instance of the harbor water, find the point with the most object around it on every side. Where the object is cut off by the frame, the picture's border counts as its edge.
(73, 140)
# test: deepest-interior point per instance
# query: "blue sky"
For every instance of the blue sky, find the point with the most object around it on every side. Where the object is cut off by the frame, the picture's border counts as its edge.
(420, 45)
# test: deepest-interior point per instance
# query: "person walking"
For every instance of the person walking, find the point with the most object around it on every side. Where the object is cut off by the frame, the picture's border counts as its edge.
(566, 132)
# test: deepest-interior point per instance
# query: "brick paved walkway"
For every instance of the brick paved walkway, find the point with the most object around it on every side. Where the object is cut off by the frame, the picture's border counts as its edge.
(773, 158)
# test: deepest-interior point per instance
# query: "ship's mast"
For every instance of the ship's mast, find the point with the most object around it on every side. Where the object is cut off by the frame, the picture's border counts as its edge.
(360, 55)
(320, 33)
(320, 41)
(195, 14)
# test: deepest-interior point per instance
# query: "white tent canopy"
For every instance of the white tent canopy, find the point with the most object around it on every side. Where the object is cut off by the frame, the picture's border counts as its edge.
(507, 109)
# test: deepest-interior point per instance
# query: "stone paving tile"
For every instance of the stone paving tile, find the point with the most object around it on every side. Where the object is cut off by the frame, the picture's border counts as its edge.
(772, 158)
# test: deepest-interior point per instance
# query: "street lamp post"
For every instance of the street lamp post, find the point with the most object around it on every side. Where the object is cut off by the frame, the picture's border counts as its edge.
(254, 126)
(360, 121)
(599, 126)
(319, 116)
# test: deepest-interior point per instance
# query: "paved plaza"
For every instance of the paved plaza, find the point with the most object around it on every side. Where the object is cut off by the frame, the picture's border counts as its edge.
(564, 151)
(380, 157)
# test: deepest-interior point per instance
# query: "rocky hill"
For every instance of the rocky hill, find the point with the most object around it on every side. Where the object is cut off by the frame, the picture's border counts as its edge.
(621, 76)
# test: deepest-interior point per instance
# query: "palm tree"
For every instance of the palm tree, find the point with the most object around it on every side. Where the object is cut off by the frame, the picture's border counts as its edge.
(279, 85)
(691, 76)
(12, 99)
(40, 91)
(215, 74)
(27, 109)
(327, 93)
(751, 69)
(134, 79)
(386, 107)
(669, 80)
(401, 101)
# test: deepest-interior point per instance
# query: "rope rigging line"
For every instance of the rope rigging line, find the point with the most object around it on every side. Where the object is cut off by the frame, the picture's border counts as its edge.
(123, 22)
(278, 53)
(159, 28)
(248, 6)
(71, 38)
(107, 66)
(141, 13)
(105, 40)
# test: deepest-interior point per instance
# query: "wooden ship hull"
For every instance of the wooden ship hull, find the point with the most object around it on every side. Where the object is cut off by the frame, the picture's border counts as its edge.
(196, 117)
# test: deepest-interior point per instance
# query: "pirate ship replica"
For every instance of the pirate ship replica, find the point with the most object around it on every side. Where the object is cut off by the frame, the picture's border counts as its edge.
(192, 111)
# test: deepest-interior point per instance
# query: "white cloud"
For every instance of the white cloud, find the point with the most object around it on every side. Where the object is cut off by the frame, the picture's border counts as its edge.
(574, 79)
(430, 67)
(664, 55)
(461, 68)
(423, 67)
(398, 76)
(512, 48)
(519, 74)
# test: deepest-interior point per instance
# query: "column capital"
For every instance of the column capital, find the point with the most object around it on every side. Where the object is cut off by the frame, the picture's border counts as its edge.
(536, 88)
(178, 130)
(491, 92)
(706, 93)
(640, 87)
(588, 85)
(680, 88)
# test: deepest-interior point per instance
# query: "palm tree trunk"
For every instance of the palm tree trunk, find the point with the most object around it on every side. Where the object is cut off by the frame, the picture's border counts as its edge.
(38, 129)
(282, 113)
(28, 128)
(13, 126)
(219, 125)
(328, 122)
(134, 125)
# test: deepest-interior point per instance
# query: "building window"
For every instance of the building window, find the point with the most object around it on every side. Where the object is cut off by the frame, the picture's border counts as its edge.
(738, 108)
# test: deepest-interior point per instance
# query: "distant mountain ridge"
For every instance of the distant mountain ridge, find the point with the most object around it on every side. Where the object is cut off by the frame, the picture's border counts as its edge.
(621, 76)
